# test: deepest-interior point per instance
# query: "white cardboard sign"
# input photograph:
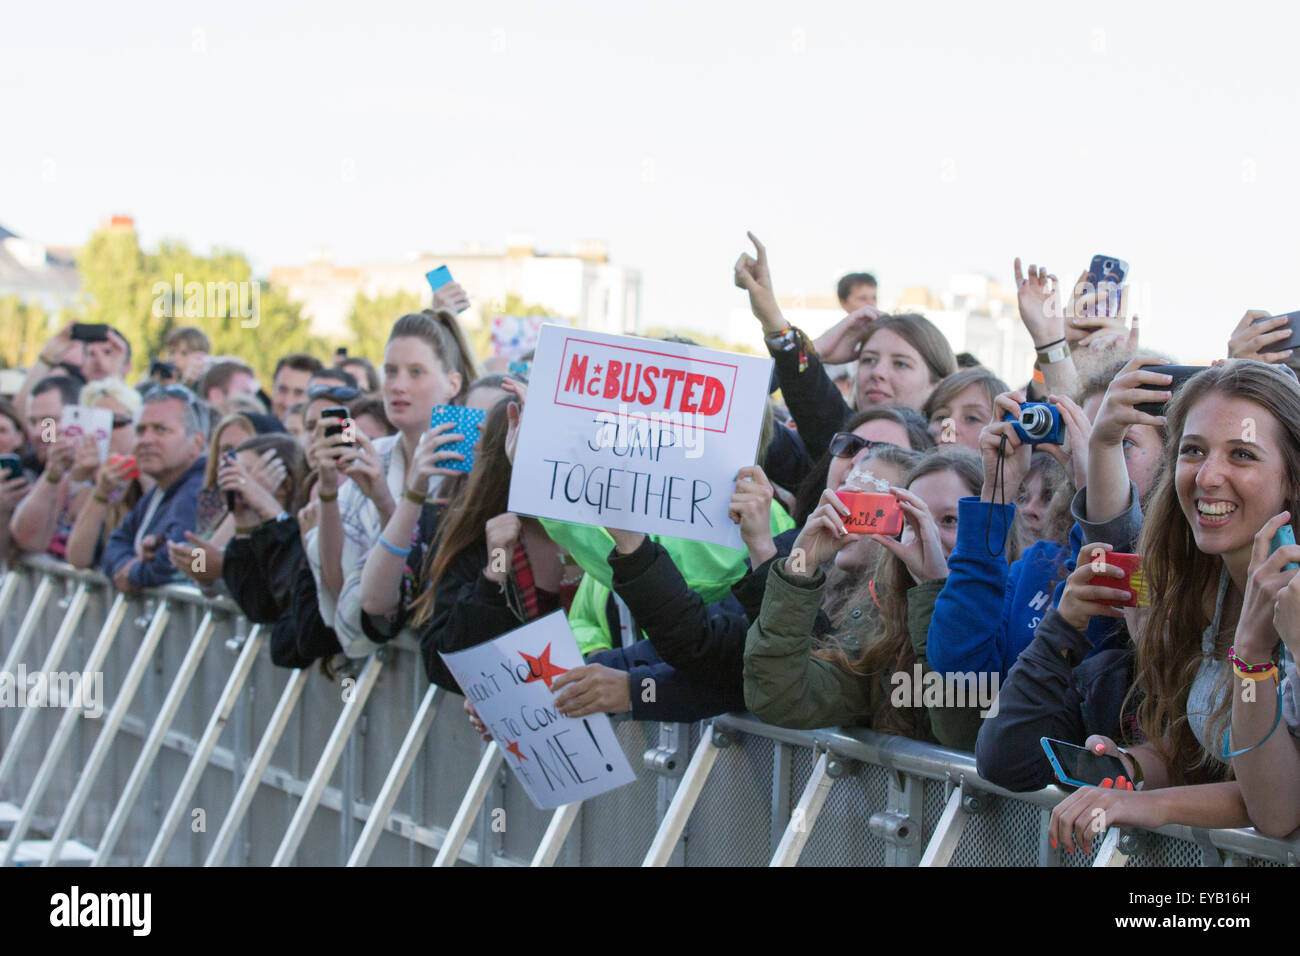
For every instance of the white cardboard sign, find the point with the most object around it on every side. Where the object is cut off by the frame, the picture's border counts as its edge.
(637, 434)
(557, 759)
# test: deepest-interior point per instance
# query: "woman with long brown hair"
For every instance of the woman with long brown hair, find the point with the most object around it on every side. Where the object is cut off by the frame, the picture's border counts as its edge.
(1229, 484)
(857, 679)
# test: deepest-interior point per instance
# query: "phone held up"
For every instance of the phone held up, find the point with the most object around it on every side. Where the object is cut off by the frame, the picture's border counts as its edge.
(1105, 275)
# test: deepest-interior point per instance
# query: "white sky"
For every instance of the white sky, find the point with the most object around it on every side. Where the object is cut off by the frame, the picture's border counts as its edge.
(911, 140)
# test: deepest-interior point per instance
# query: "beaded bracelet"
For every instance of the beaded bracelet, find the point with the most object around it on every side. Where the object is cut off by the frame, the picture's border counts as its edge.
(1245, 668)
(1256, 675)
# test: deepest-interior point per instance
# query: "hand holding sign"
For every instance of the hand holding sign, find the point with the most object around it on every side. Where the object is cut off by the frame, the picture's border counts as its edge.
(510, 683)
(592, 689)
(621, 428)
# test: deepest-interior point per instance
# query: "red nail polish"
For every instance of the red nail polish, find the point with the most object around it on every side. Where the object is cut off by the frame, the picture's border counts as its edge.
(1052, 840)
(1107, 783)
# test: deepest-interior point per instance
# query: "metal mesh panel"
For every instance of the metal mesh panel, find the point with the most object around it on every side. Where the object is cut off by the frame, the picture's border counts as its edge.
(1005, 833)
(840, 836)
(730, 825)
(617, 827)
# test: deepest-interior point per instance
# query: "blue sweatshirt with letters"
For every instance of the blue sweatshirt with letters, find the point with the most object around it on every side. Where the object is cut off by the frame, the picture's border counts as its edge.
(988, 610)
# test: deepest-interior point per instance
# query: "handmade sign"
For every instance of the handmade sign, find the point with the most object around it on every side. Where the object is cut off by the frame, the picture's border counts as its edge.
(637, 434)
(558, 759)
(514, 335)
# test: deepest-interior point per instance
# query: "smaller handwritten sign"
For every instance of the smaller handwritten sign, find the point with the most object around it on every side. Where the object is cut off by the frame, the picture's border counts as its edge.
(558, 759)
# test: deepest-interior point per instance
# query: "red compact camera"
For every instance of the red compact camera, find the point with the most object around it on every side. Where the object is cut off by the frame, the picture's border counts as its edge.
(871, 512)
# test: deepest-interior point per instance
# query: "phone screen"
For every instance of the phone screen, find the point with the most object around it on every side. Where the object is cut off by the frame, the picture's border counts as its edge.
(1079, 766)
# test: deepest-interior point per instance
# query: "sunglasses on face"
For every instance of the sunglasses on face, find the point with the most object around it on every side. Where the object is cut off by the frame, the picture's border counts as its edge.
(847, 444)
(336, 393)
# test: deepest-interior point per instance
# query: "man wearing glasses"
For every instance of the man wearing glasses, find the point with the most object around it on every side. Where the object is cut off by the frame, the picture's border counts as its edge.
(169, 448)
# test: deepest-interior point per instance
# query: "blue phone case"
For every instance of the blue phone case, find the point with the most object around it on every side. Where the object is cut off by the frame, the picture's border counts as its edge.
(1109, 269)
(1284, 536)
(467, 422)
(438, 277)
(1060, 771)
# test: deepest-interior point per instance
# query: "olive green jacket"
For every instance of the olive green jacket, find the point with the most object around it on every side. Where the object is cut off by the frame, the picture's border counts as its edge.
(787, 686)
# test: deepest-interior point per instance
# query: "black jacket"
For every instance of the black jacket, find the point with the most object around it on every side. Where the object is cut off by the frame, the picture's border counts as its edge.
(815, 404)
(269, 577)
(1051, 691)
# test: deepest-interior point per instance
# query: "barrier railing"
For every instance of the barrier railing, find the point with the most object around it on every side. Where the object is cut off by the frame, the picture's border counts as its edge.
(269, 766)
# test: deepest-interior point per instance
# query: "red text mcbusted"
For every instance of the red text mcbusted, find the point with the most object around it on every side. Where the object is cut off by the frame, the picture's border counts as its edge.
(599, 377)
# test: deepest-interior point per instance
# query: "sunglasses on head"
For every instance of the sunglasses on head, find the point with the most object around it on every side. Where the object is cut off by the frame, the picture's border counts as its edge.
(847, 444)
(335, 393)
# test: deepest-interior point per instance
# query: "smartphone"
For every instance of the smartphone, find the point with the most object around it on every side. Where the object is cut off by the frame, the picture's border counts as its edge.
(341, 413)
(871, 513)
(466, 421)
(1132, 582)
(1079, 766)
(1180, 374)
(1110, 272)
(166, 371)
(438, 278)
(230, 495)
(1284, 536)
(130, 460)
(89, 332)
(12, 466)
(1293, 323)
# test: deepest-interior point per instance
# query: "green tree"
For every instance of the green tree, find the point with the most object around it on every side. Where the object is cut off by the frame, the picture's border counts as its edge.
(146, 295)
(371, 319)
(24, 327)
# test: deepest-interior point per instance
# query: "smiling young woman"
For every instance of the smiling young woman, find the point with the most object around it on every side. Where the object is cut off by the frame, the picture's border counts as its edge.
(1229, 483)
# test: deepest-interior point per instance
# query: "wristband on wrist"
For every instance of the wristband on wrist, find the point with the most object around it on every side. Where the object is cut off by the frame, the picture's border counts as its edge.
(1045, 347)
(1241, 666)
(413, 496)
(393, 549)
(98, 497)
(49, 476)
(1057, 352)
(324, 497)
(245, 529)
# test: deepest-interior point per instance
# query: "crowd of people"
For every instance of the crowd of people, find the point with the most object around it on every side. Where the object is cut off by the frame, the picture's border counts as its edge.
(331, 510)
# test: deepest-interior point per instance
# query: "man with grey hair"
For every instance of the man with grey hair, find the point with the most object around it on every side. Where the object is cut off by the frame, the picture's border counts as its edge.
(170, 441)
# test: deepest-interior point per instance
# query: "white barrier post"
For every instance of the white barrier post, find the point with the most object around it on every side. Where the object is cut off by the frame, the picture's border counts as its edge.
(397, 774)
(458, 832)
(53, 657)
(153, 743)
(804, 814)
(107, 734)
(329, 759)
(683, 802)
(253, 776)
(207, 743)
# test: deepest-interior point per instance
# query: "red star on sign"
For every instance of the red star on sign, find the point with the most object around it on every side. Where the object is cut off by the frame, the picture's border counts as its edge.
(541, 668)
(513, 747)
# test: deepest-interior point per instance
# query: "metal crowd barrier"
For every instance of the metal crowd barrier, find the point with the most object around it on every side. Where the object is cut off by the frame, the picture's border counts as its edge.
(206, 754)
